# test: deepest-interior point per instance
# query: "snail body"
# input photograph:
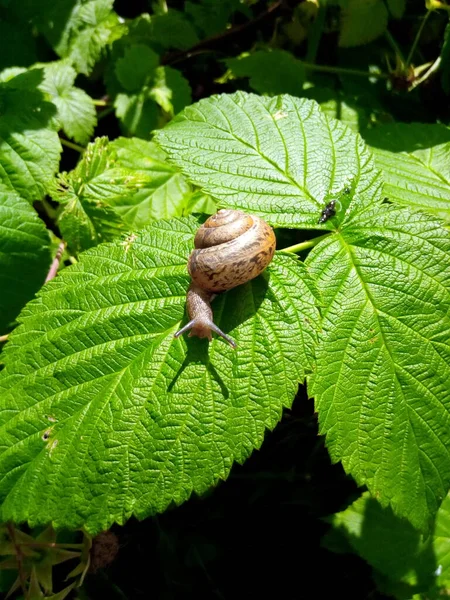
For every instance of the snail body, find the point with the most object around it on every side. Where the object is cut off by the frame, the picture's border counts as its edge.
(231, 248)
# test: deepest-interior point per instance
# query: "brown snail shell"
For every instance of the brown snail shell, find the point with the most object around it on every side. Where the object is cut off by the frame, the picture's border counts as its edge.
(231, 248)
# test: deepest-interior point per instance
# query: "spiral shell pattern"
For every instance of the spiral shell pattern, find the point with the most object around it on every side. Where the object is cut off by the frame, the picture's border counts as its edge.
(231, 248)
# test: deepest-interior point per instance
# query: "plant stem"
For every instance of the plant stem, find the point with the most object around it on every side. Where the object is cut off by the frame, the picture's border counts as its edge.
(434, 67)
(417, 38)
(305, 245)
(343, 71)
(52, 545)
(19, 557)
(51, 212)
(394, 46)
(315, 34)
(72, 145)
(55, 264)
(100, 103)
(109, 109)
(4, 338)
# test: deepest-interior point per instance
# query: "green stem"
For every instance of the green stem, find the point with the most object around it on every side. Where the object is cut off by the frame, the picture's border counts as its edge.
(315, 34)
(417, 38)
(305, 245)
(72, 145)
(343, 71)
(4, 338)
(52, 545)
(51, 212)
(394, 46)
(100, 103)
(104, 113)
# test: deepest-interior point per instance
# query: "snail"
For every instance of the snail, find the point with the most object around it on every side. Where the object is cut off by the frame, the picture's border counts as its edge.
(231, 248)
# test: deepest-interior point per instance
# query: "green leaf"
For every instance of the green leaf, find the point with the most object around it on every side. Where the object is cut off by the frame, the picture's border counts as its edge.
(29, 145)
(405, 561)
(210, 16)
(18, 45)
(355, 111)
(170, 90)
(24, 256)
(138, 113)
(114, 417)
(362, 21)
(415, 161)
(280, 158)
(86, 217)
(382, 372)
(137, 67)
(76, 110)
(164, 192)
(270, 72)
(79, 29)
(172, 30)
(199, 202)
(142, 85)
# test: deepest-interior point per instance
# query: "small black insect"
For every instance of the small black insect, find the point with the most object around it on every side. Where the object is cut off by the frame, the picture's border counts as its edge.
(328, 212)
(347, 190)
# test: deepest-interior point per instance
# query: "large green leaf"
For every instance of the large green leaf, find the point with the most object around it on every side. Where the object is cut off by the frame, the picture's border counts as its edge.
(281, 158)
(105, 414)
(415, 161)
(24, 256)
(29, 144)
(382, 372)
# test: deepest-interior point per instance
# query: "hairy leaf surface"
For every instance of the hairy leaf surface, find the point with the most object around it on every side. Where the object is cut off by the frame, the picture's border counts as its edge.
(280, 158)
(382, 373)
(104, 414)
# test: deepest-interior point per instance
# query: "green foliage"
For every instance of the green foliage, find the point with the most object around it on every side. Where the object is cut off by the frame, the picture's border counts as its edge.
(376, 262)
(171, 29)
(364, 20)
(279, 157)
(24, 256)
(76, 111)
(29, 144)
(106, 415)
(211, 17)
(137, 418)
(120, 186)
(276, 72)
(163, 193)
(18, 46)
(415, 161)
(382, 295)
(141, 86)
(85, 217)
(405, 562)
